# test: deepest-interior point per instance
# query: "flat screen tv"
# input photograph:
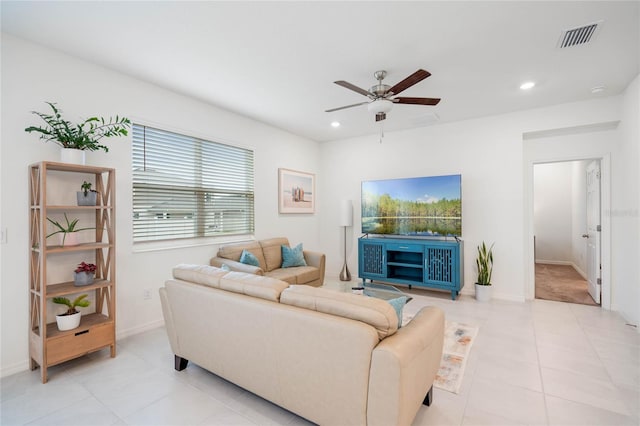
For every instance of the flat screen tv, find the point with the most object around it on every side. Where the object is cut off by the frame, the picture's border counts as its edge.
(428, 206)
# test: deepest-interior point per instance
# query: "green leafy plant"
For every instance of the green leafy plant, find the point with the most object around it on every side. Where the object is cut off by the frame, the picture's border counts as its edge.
(79, 301)
(86, 187)
(484, 263)
(84, 136)
(68, 227)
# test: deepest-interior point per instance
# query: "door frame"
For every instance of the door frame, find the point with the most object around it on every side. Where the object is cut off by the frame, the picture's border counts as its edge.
(605, 220)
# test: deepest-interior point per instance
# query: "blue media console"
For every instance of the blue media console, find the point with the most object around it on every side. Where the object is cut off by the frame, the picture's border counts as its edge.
(413, 262)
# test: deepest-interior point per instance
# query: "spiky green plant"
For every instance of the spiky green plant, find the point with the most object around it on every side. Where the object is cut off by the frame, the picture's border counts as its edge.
(83, 136)
(79, 301)
(484, 263)
(69, 227)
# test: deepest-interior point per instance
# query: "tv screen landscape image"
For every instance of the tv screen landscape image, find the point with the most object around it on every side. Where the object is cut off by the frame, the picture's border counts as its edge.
(422, 206)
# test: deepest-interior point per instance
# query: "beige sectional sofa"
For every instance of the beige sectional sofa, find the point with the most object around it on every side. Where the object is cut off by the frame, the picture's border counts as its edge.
(269, 254)
(333, 358)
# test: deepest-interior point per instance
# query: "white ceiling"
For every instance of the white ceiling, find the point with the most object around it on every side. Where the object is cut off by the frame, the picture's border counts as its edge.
(276, 61)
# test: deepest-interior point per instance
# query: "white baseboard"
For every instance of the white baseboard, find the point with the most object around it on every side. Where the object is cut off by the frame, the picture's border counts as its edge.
(122, 334)
(18, 367)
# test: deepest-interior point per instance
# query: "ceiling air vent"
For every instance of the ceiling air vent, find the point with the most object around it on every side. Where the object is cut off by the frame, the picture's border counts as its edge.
(580, 35)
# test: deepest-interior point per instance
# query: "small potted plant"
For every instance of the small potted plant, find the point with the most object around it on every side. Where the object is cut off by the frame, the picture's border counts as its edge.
(84, 274)
(71, 318)
(75, 139)
(68, 231)
(87, 196)
(484, 263)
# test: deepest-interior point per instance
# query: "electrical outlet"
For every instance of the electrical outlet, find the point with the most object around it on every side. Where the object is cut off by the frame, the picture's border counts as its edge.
(146, 295)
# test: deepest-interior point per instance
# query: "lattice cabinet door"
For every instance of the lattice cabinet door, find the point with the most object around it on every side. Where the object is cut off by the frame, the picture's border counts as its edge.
(372, 262)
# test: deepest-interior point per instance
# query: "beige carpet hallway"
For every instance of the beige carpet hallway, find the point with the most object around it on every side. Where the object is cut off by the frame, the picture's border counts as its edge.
(561, 283)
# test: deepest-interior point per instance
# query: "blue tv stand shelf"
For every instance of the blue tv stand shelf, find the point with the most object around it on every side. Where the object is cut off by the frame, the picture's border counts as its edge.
(421, 262)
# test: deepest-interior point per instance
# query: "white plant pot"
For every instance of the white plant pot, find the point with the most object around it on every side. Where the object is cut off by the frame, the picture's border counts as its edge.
(68, 322)
(72, 156)
(483, 293)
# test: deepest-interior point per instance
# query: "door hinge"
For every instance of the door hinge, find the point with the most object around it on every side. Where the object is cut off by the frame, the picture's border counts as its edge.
(599, 281)
(599, 228)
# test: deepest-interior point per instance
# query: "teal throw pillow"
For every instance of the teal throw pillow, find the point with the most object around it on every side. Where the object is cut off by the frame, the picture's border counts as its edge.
(225, 267)
(292, 256)
(249, 258)
(398, 305)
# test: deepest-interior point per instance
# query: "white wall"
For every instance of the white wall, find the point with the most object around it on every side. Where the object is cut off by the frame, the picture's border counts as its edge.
(552, 198)
(625, 208)
(490, 154)
(32, 75)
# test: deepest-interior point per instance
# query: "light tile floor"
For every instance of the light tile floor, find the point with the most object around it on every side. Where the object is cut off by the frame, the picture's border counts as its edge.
(533, 363)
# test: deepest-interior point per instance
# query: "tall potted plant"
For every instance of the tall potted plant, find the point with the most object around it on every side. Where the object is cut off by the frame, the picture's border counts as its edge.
(75, 139)
(484, 264)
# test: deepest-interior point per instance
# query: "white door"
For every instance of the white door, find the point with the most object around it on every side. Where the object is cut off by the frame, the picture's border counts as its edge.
(593, 230)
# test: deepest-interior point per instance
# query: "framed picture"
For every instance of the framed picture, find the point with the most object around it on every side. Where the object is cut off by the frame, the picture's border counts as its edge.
(296, 191)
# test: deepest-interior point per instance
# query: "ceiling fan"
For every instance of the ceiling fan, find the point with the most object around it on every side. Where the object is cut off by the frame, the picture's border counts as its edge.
(382, 95)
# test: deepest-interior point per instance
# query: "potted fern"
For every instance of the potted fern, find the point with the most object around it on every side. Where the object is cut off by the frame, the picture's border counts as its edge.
(86, 196)
(484, 264)
(75, 139)
(71, 318)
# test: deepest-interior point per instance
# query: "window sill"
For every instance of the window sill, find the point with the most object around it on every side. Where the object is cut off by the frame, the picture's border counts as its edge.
(188, 243)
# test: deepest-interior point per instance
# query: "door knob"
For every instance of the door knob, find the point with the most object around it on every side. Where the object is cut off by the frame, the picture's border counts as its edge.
(585, 235)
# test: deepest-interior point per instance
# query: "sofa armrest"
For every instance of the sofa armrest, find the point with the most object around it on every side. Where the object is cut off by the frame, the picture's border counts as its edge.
(403, 368)
(313, 258)
(236, 266)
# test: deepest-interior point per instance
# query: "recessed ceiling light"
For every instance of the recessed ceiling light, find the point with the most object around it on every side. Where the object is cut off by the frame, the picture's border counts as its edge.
(335, 124)
(598, 89)
(527, 85)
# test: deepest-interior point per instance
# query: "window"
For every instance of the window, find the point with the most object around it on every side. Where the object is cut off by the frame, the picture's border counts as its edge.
(185, 187)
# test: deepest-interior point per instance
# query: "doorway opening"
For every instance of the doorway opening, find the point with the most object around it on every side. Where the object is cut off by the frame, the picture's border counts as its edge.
(566, 225)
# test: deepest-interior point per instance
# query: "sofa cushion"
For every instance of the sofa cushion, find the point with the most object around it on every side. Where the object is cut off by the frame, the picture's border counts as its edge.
(199, 274)
(253, 285)
(292, 256)
(272, 251)
(234, 251)
(249, 258)
(398, 304)
(296, 275)
(376, 312)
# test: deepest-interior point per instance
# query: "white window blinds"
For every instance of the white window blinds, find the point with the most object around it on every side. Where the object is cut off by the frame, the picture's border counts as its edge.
(185, 187)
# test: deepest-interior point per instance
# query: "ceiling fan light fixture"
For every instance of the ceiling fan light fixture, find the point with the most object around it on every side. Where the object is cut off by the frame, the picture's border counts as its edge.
(380, 106)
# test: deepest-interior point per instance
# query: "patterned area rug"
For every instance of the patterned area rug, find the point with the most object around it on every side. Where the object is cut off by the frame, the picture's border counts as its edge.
(458, 339)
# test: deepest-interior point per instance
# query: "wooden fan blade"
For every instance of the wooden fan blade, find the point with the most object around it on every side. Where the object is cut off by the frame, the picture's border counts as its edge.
(380, 116)
(417, 101)
(414, 78)
(347, 106)
(350, 86)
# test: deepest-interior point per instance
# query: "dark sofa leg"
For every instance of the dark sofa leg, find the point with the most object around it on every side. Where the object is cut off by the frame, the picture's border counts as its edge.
(180, 363)
(428, 399)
